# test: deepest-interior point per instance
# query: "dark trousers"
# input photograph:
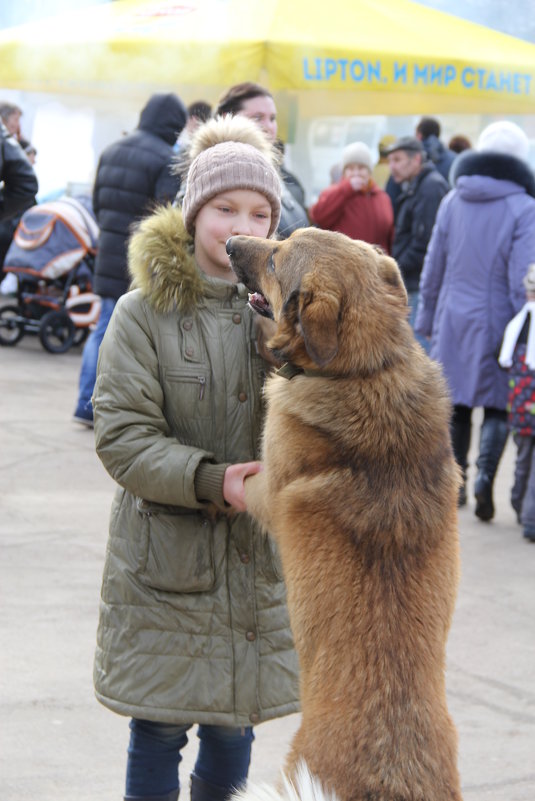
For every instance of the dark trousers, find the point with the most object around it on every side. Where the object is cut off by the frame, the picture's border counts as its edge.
(154, 755)
(461, 430)
(523, 491)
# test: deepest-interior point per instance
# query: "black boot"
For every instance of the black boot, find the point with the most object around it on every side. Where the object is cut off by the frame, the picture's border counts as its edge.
(461, 428)
(202, 790)
(492, 441)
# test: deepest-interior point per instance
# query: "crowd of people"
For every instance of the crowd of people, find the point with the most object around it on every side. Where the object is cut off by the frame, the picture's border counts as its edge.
(171, 381)
(420, 200)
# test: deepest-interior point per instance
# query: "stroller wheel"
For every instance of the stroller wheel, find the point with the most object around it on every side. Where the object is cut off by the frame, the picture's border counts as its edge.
(80, 336)
(57, 331)
(11, 327)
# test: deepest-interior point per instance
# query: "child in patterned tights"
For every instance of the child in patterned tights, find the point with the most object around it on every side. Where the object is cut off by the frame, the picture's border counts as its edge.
(518, 355)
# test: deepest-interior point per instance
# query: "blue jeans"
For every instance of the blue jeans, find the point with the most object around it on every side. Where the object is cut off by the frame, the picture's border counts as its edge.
(88, 370)
(154, 755)
(413, 304)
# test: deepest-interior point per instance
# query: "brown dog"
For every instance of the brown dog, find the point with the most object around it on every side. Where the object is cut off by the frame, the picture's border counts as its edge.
(360, 492)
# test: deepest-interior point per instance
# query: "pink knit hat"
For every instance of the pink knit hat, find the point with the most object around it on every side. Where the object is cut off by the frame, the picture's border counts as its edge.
(230, 153)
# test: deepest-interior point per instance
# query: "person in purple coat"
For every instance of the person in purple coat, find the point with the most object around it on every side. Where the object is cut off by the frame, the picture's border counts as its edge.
(471, 285)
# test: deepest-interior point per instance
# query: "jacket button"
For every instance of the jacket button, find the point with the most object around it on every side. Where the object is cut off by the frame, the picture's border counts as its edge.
(254, 717)
(245, 558)
(242, 397)
(187, 325)
(236, 318)
(250, 636)
(189, 351)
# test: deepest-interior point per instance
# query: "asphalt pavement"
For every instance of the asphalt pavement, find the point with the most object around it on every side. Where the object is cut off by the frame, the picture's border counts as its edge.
(58, 744)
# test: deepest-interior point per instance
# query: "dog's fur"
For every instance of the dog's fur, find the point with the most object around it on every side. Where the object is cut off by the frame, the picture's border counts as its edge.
(302, 786)
(360, 492)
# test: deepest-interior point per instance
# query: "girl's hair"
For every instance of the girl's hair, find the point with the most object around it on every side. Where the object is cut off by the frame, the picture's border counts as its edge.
(234, 98)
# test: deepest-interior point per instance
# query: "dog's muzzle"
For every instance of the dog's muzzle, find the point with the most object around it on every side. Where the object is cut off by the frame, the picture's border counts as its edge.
(259, 304)
(257, 301)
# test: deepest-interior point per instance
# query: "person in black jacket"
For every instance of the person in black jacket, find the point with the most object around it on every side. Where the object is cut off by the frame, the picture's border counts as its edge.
(19, 187)
(428, 132)
(133, 175)
(416, 206)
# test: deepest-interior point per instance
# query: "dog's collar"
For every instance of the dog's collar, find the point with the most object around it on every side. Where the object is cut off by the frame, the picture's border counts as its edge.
(289, 371)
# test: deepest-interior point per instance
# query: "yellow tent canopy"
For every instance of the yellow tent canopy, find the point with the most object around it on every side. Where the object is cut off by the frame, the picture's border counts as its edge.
(336, 57)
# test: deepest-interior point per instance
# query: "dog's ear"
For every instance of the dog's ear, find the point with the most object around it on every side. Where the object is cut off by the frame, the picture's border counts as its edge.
(319, 311)
(391, 275)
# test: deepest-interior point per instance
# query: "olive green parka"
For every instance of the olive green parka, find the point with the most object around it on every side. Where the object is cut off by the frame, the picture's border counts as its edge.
(193, 623)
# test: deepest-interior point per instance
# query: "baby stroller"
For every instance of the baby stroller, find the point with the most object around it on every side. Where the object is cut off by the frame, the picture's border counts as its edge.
(49, 269)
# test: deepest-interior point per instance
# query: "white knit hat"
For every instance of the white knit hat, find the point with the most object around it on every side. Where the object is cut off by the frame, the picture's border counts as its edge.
(504, 137)
(357, 153)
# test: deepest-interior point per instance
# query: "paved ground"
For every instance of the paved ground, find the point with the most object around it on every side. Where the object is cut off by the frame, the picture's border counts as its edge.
(58, 744)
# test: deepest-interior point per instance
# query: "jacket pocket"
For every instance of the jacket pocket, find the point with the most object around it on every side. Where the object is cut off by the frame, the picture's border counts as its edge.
(188, 392)
(179, 553)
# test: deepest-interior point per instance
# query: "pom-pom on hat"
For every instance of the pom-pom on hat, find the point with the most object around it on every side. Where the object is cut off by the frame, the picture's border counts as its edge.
(357, 153)
(229, 153)
(504, 137)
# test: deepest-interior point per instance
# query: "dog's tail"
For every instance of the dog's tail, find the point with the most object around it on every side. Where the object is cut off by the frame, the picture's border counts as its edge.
(303, 787)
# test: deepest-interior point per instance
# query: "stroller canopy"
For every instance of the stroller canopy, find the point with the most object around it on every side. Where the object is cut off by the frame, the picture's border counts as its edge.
(52, 238)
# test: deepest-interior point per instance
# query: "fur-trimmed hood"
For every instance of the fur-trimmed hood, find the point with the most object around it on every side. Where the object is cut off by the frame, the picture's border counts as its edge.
(161, 262)
(498, 166)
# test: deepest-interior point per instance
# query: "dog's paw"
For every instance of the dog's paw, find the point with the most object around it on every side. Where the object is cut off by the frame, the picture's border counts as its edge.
(256, 499)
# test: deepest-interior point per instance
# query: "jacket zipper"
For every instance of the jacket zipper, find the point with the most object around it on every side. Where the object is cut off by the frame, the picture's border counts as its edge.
(189, 379)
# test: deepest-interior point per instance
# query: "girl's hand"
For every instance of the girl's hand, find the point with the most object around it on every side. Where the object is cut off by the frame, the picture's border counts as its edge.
(358, 182)
(233, 483)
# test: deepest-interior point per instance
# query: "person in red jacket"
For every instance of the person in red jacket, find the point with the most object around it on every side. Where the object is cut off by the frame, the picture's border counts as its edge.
(355, 206)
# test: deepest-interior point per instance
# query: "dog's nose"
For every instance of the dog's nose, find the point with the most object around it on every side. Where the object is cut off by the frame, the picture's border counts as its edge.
(229, 245)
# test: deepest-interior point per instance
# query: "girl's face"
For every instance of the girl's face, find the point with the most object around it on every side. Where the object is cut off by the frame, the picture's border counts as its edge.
(239, 211)
(262, 110)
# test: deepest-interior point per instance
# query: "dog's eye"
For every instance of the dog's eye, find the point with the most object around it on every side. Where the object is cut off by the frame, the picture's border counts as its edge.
(271, 264)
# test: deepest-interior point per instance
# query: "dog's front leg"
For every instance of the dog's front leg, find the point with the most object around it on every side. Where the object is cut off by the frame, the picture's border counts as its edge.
(256, 498)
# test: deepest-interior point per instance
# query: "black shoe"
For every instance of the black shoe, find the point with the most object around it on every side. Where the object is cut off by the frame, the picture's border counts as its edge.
(529, 533)
(483, 493)
(461, 498)
(518, 514)
(201, 790)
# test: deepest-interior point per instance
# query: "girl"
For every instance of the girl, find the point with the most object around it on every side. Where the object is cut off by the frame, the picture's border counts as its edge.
(193, 623)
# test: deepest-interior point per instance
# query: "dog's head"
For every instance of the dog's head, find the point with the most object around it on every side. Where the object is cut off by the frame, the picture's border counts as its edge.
(338, 303)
